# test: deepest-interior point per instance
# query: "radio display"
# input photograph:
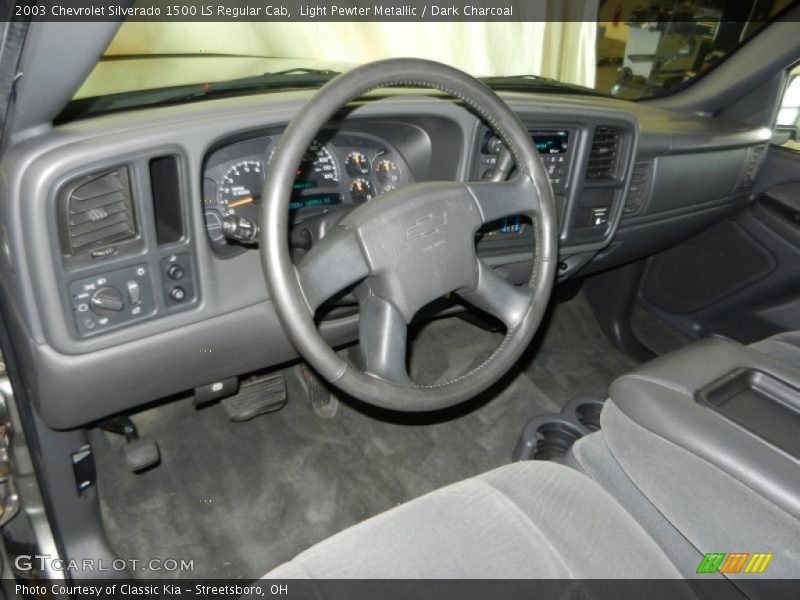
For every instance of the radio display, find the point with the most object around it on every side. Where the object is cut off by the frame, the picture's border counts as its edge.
(314, 201)
(550, 142)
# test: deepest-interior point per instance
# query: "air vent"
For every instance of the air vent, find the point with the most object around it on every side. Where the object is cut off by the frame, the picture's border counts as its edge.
(97, 210)
(637, 192)
(752, 163)
(604, 155)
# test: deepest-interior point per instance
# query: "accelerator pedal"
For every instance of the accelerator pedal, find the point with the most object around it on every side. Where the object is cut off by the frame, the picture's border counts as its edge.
(323, 403)
(256, 397)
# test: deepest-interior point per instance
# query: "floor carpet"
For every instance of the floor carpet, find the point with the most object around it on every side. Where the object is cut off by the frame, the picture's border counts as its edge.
(240, 498)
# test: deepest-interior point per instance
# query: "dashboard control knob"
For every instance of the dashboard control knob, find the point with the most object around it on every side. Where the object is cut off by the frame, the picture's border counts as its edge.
(240, 229)
(494, 145)
(175, 272)
(178, 294)
(107, 299)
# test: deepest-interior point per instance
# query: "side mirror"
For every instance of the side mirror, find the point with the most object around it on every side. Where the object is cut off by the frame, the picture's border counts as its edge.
(783, 134)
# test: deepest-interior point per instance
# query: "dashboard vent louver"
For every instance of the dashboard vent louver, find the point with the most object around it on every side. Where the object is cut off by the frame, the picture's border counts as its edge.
(637, 192)
(604, 154)
(752, 163)
(97, 210)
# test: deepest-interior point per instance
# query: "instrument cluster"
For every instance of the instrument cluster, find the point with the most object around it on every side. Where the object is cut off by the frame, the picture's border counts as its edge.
(338, 168)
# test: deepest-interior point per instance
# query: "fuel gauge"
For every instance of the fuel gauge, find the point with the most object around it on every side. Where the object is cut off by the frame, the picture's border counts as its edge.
(362, 190)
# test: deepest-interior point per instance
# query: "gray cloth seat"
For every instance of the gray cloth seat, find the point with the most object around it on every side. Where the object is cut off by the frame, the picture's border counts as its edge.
(689, 474)
(784, 347)
(524, 520)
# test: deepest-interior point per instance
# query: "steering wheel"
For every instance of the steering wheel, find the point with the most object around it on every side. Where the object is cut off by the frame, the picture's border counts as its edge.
(408, 247)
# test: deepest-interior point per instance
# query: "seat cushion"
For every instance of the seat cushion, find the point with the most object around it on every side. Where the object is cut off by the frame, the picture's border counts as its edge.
(525, 520)
(784, 347)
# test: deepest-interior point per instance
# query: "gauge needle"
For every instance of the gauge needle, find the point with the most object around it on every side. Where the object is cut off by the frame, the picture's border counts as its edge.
(240, 202)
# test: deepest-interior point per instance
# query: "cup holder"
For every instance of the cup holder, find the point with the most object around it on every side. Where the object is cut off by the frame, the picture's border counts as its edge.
(588, 414)
(554, 439)
(549, 437)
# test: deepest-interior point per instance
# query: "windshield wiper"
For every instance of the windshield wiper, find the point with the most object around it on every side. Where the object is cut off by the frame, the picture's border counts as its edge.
(297, 77)
(289, 78)
(514, 83)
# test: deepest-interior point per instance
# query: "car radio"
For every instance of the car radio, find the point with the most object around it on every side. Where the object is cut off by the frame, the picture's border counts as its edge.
(554, 146)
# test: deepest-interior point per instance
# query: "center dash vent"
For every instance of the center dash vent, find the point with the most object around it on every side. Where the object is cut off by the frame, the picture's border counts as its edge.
(96, 210)
(604, 154)
(637, 192)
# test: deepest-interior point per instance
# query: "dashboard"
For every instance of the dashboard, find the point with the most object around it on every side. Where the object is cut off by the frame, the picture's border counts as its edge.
(125, 286)
(342, 169)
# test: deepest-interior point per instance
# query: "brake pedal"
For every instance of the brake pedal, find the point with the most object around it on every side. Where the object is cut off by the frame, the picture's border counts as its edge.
(140, 453)
(256, 397)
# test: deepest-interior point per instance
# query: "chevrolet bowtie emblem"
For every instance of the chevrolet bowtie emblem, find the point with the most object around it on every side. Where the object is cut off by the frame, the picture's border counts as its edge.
(427, 225)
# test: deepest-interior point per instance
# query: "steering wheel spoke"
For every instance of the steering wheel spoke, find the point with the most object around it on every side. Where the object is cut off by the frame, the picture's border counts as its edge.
(331, 265)
(382, 334)
(498, 297)
(495, 201)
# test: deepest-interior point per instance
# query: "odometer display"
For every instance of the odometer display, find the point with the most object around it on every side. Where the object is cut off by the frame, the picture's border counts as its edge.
(315, 201)
(304, 185)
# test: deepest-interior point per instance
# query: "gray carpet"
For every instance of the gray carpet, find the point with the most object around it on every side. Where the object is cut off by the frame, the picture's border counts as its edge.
(240, 498)
(571, 356)
(655, 334)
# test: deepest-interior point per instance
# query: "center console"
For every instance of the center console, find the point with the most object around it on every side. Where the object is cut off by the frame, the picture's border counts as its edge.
(588, 164)
(710, 434)
(556, 146)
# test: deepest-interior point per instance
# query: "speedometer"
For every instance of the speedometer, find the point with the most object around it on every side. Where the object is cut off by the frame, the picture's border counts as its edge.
(319, 165)
(318, 168)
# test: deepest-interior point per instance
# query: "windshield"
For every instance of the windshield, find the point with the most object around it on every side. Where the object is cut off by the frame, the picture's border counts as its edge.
(631, 50)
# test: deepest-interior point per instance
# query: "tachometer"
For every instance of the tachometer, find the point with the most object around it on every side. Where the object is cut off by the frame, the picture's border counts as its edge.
(240, 188)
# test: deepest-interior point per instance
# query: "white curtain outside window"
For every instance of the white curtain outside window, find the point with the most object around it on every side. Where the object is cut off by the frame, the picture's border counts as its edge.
(151, 55)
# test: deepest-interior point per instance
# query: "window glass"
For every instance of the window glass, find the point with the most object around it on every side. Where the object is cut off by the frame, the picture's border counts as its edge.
(631, 49)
